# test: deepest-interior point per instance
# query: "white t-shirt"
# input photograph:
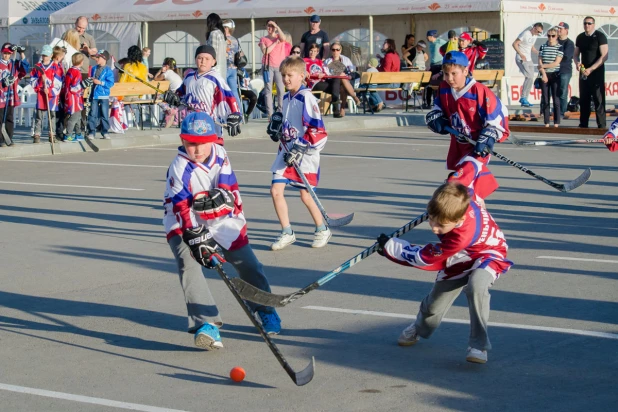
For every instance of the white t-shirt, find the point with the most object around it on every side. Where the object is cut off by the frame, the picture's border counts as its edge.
(527, 40)
(67, 62)
(174, 79)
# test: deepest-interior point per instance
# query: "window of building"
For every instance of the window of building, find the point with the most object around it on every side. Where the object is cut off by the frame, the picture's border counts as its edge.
(109, 42)
(177, 44)
(611, 31)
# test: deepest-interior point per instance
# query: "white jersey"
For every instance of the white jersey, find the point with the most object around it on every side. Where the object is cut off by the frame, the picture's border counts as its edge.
(302, 124)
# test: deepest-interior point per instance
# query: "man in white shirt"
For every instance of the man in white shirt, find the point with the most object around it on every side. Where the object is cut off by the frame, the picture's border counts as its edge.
(524, 46)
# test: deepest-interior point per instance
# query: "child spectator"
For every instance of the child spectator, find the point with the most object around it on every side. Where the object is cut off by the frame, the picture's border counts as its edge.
(473, 49)
(168, 72)
(73, 99)
(474, 110)
(48, 88)
(145, 55)
(58, 56)
(470, 256)
(373, 98)
(203, 207)
(303, 134)
(103, 80)
(11, 72)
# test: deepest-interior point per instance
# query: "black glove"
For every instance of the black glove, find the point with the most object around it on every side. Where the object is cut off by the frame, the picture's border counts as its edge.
(382, 240)
(233, 124)
(203, 246)
(8, 81)
(436, 122)
(21, 49)
(213, 203)
(171, 98)
(477, 43)
(295, 155)
(275, 126)
(485, 141)
(86, 83)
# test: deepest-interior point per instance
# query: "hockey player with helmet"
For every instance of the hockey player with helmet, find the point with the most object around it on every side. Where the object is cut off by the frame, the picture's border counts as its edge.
(204, 218)
(471, 255)
(301, 129)
(474, 110)
(204, 90)
(610, 137)
(11, 71)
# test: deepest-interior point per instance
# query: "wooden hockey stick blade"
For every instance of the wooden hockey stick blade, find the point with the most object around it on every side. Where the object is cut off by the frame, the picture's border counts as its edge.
(253, 294)
(519, 142)
(299, 378)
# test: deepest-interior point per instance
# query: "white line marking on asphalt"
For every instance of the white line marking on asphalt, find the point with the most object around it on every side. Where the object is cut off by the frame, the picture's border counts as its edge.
(85, 187)
(577, 259)
(466, 322)
(85, 399)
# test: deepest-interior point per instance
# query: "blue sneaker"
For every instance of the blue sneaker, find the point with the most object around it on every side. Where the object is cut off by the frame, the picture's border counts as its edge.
(270, 322)
(208, 337)
(70, 139)
(79, 138)
(525, 103)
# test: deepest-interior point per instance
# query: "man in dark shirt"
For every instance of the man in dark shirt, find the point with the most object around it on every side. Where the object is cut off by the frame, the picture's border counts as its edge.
(566, 65)
(317, 36)
(592, 45)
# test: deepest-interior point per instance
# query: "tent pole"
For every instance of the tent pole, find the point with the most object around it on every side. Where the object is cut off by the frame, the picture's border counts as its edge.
(501, 22)
(252, 47)
(370, 36)
(145, 36)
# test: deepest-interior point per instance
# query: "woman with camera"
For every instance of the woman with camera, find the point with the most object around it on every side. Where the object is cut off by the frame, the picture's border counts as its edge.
(550, 56)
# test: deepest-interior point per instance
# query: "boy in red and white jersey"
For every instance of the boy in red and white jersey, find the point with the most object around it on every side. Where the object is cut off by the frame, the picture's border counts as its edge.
(474, 110)
(73, 99)
(470, 256)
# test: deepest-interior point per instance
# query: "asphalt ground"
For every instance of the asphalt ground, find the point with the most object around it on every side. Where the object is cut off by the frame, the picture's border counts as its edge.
(92, 316)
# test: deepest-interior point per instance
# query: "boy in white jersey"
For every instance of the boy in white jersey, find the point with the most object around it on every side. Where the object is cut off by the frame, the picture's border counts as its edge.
(204, 90)
(204, 217)
(301, 130)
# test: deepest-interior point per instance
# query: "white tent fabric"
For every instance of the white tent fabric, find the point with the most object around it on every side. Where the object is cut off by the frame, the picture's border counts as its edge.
(28, 13)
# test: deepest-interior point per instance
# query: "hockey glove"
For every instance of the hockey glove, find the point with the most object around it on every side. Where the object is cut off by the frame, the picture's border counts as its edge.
(203, 246)
(382, 241)
(8, 81)
(295, 155)
(171, 98)
(436, 122)
(213, 203)
(86, 83)
(485, 141)
(21, 49)
(233, 124)
(477, 43)
(275, 126)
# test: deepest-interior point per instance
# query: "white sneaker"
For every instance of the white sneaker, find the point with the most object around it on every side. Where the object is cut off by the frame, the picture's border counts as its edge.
(321, 238)
(283, 240)
(476, 356)
(408, 336)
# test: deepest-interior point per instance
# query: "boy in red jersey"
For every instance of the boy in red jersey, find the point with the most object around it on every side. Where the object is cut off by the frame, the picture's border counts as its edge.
(470, 256)
(73, 99)
(474, 110)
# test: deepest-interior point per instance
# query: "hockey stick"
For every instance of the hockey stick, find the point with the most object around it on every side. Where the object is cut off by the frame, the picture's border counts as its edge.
(566, 187)
(329, 222)
(88, 107)
(253, 294)
(7, 138)
(300, 378)
(51, 133)
(518, 142)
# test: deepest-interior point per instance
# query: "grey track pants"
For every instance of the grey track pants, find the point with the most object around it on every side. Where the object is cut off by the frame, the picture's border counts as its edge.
(201, 306)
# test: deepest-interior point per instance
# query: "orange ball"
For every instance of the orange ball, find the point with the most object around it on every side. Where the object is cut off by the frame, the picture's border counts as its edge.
(237, 374)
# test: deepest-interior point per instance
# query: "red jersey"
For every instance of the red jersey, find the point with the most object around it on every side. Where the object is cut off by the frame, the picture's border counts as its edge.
(474, 53)
(473, 173)
(54, 76)
(72, 92)
(18, 69)
(478, 243)
(470, 110)
(314, 68)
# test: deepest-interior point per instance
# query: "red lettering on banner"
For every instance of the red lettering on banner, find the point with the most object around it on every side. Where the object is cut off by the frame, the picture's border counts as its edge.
(611, 88)
(388, 95)
(515, 93)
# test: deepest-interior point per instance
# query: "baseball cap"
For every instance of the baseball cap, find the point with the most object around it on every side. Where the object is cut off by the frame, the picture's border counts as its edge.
(206, 48)
(46, 50)
(433, 33)
(563, 25)
(198, 127)
(465, 36)
(6, 48)
(456, 57)
(229, 24)
(422, 44)
(103, 53)
(315, 19)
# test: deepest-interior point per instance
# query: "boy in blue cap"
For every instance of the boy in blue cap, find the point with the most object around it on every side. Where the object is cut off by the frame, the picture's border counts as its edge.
(204, 218)
(474, 110)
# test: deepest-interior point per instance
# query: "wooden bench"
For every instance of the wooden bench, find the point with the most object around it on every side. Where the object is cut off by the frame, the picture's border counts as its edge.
(136, 89)
(494, 76)
(383, 78)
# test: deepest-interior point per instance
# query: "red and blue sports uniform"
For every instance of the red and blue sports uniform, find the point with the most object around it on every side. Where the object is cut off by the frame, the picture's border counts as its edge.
(17, 68)
(478, 243)
(72, 92)
(54, 76)
(613, 133)
(469, 111)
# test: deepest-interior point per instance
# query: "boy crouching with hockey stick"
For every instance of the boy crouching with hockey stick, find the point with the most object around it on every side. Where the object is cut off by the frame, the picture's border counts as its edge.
(301, 129)
(204, 218)
(471, 255)
(474, 110)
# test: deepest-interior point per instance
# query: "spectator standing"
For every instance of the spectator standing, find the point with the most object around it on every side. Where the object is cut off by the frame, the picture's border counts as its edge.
(11, 72)
(70, 41)
(315, 36)
(103, 80)
(169, 72)
(145, 55)
(452, 44)
(232, 47)
(408, 50)
(566, 65)
(87, 43)
(593, 48)
(215, 37)
(390, 62)
(524, 46)
(435, 64)
(420, 57)
(274, 48)
(550, 56)
(473, 49)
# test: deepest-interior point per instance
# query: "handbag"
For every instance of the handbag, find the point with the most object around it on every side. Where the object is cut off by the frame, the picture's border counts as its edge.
(265, 72)
(240, 60)
(538, 82)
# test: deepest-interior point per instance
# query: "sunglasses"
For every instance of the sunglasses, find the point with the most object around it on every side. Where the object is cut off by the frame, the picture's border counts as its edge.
(335, 49)
(588, 23)
(296, 52)
(551, 35)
